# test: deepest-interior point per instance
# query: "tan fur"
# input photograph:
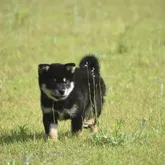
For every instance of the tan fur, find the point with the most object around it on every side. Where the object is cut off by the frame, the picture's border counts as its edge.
(94, 129)
(53, 134)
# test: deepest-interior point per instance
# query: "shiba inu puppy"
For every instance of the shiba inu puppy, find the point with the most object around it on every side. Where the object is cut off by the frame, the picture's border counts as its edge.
(70, 92)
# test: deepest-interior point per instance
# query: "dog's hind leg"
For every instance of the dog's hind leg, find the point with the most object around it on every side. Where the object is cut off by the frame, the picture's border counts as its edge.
(91, 123)
(96, 107)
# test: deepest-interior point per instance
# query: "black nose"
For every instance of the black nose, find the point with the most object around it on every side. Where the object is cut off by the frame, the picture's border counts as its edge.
(61, 92)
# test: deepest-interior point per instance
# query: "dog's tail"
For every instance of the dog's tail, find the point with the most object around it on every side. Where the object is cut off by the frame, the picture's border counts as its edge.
(90, 62)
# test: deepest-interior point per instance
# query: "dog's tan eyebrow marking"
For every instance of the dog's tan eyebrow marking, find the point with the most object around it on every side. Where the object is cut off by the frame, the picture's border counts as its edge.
(54, 79)
(64, 79)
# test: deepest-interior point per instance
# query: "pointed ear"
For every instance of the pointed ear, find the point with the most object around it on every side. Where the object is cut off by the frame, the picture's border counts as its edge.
(70, 67)
(42, 68)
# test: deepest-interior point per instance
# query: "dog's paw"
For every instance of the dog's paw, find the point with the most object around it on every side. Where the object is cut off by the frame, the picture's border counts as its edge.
(94, 129)
(53, 134)
(79, 133)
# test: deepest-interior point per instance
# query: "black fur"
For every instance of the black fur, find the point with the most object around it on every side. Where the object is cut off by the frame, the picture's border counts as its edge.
(59, 102)
(90, 62)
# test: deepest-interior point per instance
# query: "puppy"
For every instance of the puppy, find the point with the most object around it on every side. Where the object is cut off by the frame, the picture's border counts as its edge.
(71, 93)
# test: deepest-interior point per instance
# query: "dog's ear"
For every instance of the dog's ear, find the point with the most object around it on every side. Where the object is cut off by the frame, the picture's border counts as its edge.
(43, 68)
(70, 67)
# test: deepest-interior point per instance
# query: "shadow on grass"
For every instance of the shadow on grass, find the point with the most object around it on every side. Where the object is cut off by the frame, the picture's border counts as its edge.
(15, 137)
(21, 134)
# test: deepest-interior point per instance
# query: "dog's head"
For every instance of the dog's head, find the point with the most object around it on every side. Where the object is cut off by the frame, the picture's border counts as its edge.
(56, 80)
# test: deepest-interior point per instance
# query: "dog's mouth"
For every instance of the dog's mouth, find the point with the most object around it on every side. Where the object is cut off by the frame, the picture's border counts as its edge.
(62, 97)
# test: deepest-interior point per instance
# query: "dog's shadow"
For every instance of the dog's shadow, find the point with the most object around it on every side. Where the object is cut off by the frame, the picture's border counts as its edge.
(14, 137)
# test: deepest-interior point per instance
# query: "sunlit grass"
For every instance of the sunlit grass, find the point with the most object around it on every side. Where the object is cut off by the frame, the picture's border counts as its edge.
(128, 38)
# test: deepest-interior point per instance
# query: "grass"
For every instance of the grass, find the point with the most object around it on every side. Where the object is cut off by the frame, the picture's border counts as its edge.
(127, 36)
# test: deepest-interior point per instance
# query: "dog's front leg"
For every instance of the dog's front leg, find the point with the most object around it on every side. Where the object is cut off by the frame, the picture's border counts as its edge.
(50, 125)
(76, 124)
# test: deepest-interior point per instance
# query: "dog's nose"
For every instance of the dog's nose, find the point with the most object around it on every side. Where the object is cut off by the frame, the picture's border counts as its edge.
(61, 92)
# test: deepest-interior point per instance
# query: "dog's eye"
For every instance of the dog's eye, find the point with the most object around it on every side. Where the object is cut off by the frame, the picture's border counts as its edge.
(64, 79)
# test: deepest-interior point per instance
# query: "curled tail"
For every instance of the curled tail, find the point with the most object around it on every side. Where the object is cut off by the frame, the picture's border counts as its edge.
(90, 62)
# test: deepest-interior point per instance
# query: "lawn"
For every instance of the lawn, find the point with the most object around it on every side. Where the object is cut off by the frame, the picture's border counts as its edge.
(127, 36)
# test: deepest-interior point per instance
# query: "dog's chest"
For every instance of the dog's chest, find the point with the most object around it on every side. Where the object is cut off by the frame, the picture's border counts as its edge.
(61, 113)
(66, 113)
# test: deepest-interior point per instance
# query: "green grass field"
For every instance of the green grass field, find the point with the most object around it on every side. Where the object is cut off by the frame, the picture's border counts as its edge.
(129, 39)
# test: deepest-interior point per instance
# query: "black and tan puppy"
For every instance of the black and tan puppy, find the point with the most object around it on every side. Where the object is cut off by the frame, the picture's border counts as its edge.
(71, 93)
